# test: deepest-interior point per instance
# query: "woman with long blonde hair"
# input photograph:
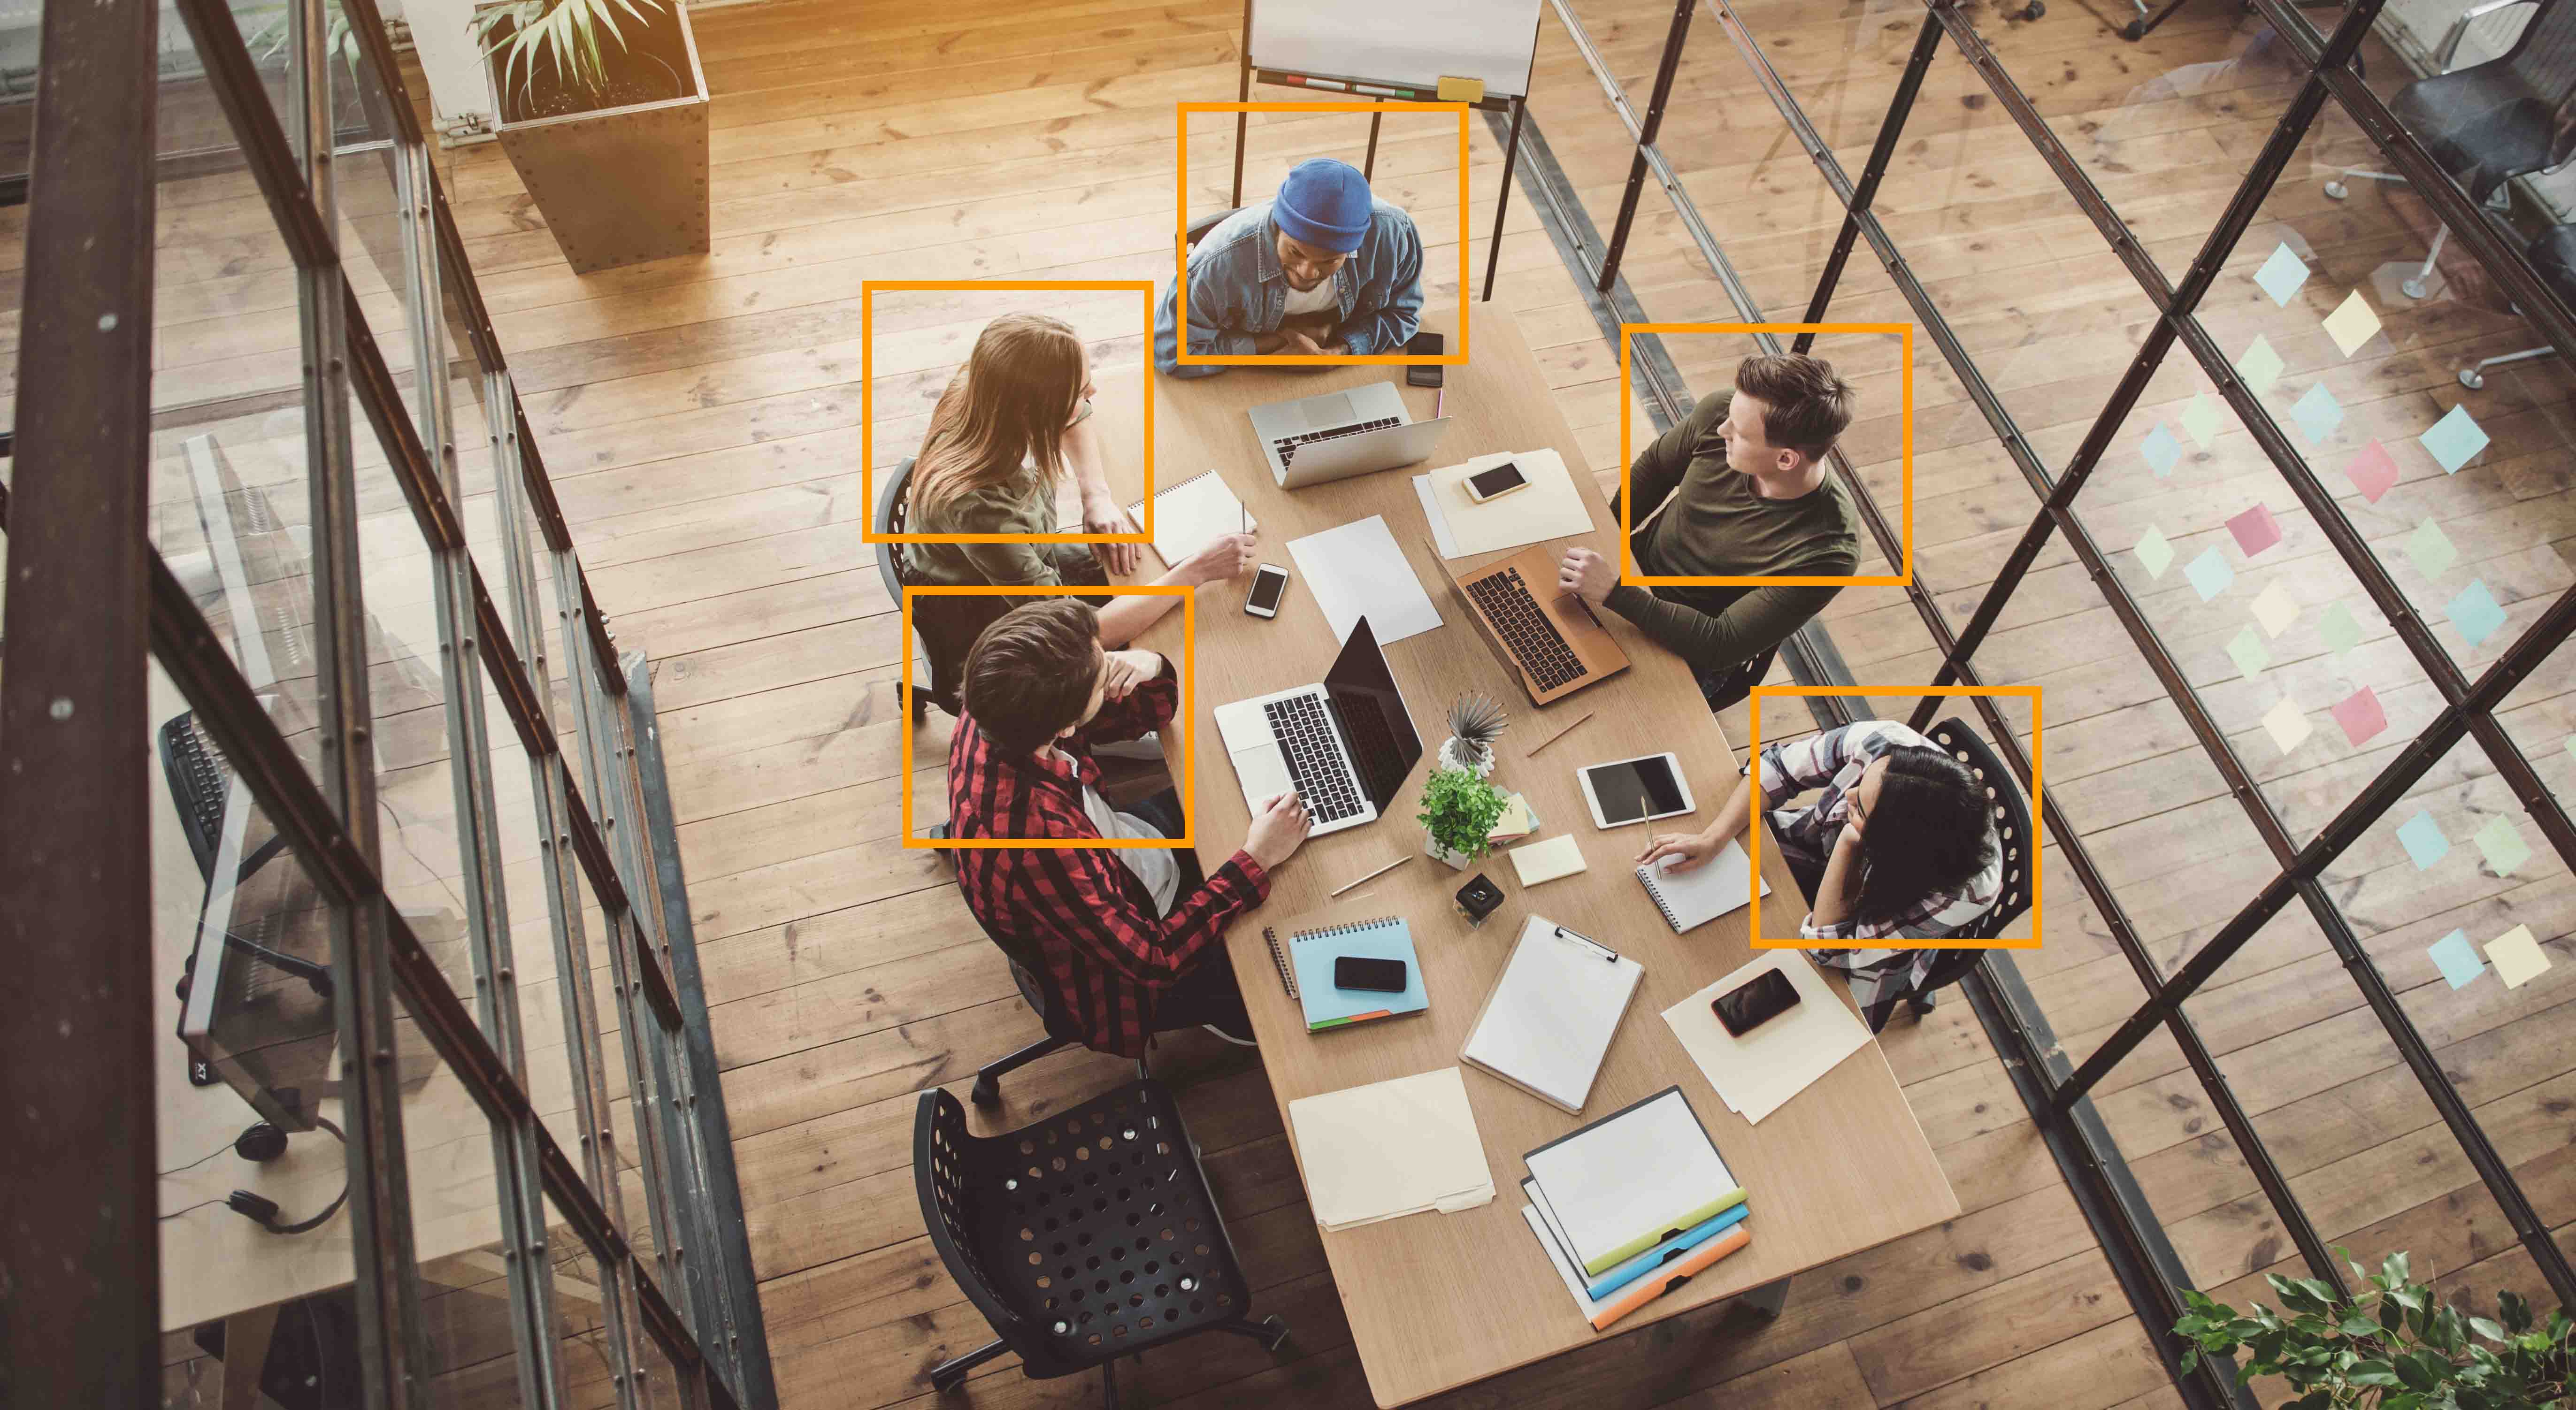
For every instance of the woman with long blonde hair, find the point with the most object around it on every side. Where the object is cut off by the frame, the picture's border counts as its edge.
(1013, 424)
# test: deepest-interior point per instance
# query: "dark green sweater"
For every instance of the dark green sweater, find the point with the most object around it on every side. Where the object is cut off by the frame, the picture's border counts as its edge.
(1717, 526)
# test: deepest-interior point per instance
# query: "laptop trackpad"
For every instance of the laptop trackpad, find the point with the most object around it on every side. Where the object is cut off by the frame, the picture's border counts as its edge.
(1263, 773)
(1329, 411)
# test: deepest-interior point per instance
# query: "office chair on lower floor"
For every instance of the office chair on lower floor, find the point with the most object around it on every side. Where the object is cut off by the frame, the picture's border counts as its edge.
(2553, 258)
(987, 1092)
(2490, 122)
(1082, 1238)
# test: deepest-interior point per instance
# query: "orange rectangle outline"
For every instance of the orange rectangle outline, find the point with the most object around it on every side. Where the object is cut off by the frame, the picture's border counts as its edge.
(1189, 733)
(867, 401)
(1628, 574)
(1181, 353)
(1753, 833)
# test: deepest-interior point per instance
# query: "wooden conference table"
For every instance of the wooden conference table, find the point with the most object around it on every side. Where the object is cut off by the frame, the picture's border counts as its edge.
(1436, 1301)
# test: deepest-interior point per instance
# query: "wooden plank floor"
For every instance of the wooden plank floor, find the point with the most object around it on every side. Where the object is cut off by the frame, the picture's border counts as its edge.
(700, 416)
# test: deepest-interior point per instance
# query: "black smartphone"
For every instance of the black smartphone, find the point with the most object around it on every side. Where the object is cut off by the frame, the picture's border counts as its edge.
(1424, 345)
(1495, 483)
(1750, 1005)
(1379, 976)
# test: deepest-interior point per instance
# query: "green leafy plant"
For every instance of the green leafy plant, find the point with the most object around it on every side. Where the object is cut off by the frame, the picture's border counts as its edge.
(1458, 809)
(564, 33)
(2395, 1346)
(268, 41)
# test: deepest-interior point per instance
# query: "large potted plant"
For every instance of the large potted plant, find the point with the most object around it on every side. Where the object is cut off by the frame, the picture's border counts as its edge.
(603, 110)
(2395, 1346)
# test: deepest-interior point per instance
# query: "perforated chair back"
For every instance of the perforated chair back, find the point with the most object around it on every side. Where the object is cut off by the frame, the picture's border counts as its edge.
(1086, 1236)
(888, 518)
(2012, 827)
(1200, 227)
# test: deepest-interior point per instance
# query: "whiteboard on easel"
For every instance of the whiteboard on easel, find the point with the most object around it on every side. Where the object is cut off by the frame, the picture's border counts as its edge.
(1415, 44)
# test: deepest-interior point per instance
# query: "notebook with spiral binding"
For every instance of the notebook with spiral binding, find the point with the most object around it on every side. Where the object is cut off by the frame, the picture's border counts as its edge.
(1713, 888)
(1306, 959)
(1188, 514)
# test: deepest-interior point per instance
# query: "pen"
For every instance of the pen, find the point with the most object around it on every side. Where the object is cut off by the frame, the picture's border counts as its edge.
(1440, 406)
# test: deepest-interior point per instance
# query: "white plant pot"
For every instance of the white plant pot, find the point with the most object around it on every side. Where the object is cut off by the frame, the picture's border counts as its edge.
(1458, 861)
(1453, 755)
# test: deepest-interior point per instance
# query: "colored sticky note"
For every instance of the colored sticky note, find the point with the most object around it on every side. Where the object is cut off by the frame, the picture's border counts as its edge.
(2475, 612)
(2200, 420)
(2454, 439)
(2457, 959)
(2248, 652)
(2360, 715)
(2340, 629)
(2318, 413)
(2260, 366)
(2276, 610)
(2155, 551)
(2501, 843)
(2161, 450)
(2288, 724)
(2209, 573)
(2255, 530)
(2282, 274)
(2517, 957)
(2372, 471)
(2431, 549)
(2352, 323)
(2424, 841)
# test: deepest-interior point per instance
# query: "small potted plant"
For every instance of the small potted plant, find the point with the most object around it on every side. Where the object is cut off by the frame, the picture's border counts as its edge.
(1474, 724)
(609, 138)
(2396, 1344)
(1458, 810)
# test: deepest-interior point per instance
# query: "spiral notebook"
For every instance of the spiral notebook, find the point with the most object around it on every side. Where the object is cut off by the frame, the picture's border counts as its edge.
(1192, 512)
(1306, 971)
(1713, 888)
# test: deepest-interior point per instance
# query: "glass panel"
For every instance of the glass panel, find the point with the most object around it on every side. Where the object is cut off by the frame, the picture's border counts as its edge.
(267, 32)
(545, 1000)
(373, 240)
(585, 1291)
(467, 1317)
(660, 1377)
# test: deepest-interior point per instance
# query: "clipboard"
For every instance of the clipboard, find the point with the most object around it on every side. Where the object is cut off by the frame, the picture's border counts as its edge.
(1554, 1009)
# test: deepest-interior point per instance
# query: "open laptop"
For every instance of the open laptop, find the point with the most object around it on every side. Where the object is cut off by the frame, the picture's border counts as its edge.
(1347, 744)
(1317, 439)
(1545, 638)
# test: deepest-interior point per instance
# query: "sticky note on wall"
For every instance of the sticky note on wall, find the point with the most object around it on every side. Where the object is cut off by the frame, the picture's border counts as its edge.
(1461, 90)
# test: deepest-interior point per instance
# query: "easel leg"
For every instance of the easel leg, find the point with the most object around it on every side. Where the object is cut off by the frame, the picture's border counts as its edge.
(1368, 164)
(246, 1339)
(1503, 198)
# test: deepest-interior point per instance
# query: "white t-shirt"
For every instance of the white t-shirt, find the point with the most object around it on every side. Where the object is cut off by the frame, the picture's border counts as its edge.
(1325, 297)
(1153, 866)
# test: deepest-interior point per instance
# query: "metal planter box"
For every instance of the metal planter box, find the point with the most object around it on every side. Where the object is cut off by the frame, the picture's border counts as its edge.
(625, 184)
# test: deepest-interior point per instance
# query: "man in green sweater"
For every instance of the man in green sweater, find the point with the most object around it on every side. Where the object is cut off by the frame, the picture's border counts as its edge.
(1738, 489)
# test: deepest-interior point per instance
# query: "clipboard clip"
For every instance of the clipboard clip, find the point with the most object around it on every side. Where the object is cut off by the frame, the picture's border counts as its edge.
(1608, 954)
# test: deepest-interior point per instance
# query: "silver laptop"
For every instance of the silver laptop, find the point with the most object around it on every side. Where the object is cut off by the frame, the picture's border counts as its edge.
(1336, 435)
(1346, 743)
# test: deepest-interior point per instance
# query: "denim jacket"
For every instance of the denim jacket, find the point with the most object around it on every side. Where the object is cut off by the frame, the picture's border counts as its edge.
(1237, 290)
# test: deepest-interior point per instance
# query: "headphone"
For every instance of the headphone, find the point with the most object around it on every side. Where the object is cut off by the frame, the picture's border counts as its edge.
(264, 1141)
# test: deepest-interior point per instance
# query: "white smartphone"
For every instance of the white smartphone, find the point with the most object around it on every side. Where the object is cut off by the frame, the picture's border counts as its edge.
(1642, 789)
(1495, 483)
(1269, 584)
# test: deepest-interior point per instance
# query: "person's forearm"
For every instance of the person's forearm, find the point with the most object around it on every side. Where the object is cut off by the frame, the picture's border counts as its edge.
(1128, 615)
(1087, 461)
(1732, 819)
(1834, 894)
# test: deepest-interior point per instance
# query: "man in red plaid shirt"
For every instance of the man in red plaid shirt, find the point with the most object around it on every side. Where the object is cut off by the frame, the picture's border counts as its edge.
(1125, 939)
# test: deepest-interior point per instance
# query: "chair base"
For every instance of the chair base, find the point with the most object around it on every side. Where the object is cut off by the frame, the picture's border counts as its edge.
(988, 1079)
(949, 1375)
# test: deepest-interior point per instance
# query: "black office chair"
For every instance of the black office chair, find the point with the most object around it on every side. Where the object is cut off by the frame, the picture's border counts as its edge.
(1085, 1237)
(1738, 683)
(987, 1092)
(2553, 258)
(2013, 834)
(888, 518)
(2494, 121)
(1200, 227)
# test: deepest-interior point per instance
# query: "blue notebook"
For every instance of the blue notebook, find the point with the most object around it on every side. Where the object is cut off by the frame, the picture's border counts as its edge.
(1623, 1274)
(1306, 971)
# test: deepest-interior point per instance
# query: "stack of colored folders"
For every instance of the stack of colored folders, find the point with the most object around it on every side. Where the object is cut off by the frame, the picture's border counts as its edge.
(1634, 1205)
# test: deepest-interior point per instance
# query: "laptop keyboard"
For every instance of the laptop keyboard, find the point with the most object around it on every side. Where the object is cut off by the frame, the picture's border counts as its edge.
(1315, 761)
(1287, 445)
(1532, 639)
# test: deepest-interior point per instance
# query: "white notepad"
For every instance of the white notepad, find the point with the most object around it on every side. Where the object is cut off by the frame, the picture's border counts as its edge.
(1549, 1021)
(1389, 1149)
(1758, 1073)
(1355, 570)
(1189, 514)
(1619, 1184)
(1712, 889)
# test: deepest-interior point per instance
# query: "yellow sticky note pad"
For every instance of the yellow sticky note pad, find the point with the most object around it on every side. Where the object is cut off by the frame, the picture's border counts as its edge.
(1546, 861)
(1461, 90)
(2517, 957)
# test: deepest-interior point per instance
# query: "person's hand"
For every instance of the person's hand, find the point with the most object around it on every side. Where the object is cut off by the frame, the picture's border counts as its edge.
(1123, 671)
(1225, 556)
(1587, 575)
(1101, 515)
(1687, 849)
(1848, 840)
(1278, 826)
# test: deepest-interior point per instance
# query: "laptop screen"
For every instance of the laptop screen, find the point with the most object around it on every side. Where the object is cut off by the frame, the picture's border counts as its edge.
(1381, 734)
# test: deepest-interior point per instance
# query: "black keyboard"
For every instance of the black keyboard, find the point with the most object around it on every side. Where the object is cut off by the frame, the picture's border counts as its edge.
(1315, 761)
(1532, 639)
(198, 775)
(1287, 446)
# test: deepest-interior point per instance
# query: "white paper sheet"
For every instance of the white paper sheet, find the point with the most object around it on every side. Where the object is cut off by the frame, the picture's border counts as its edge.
(1404, 1146)
(1440, 535)
(1758, 1073)
(1551, 507)
(1356, 570)
(1552, 1014)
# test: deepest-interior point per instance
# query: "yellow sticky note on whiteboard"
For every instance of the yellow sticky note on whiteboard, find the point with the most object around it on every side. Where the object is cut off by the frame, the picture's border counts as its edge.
(1461, 90)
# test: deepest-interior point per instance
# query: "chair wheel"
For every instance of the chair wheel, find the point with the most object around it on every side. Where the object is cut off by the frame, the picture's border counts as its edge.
(987, 1093)
(1277, 1327)
(2336, 190)
(946, 1381)
(2470, 379)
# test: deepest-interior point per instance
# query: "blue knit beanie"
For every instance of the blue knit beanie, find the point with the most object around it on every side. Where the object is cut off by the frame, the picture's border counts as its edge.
(1324, 203)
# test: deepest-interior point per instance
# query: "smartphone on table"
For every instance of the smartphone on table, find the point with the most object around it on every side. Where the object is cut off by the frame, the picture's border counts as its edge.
(1375, 976)
(1269, 584)
(1495, 483)
(1424, 345)
(1755, 1002)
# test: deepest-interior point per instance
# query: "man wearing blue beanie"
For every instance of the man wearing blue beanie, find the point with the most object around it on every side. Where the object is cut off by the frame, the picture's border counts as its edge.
(1325, 268)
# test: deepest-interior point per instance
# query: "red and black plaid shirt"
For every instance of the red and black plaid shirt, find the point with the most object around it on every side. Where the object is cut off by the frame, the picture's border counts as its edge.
(1101, 950)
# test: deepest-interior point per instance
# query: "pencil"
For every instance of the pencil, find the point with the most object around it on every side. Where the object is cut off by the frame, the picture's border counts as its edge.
(1381, 871)
(1560, 734)
(1440, 404)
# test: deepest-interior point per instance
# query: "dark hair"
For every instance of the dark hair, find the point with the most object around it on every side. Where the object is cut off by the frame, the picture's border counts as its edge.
(1932, 831)
(1807, 406)
(1030, 673)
